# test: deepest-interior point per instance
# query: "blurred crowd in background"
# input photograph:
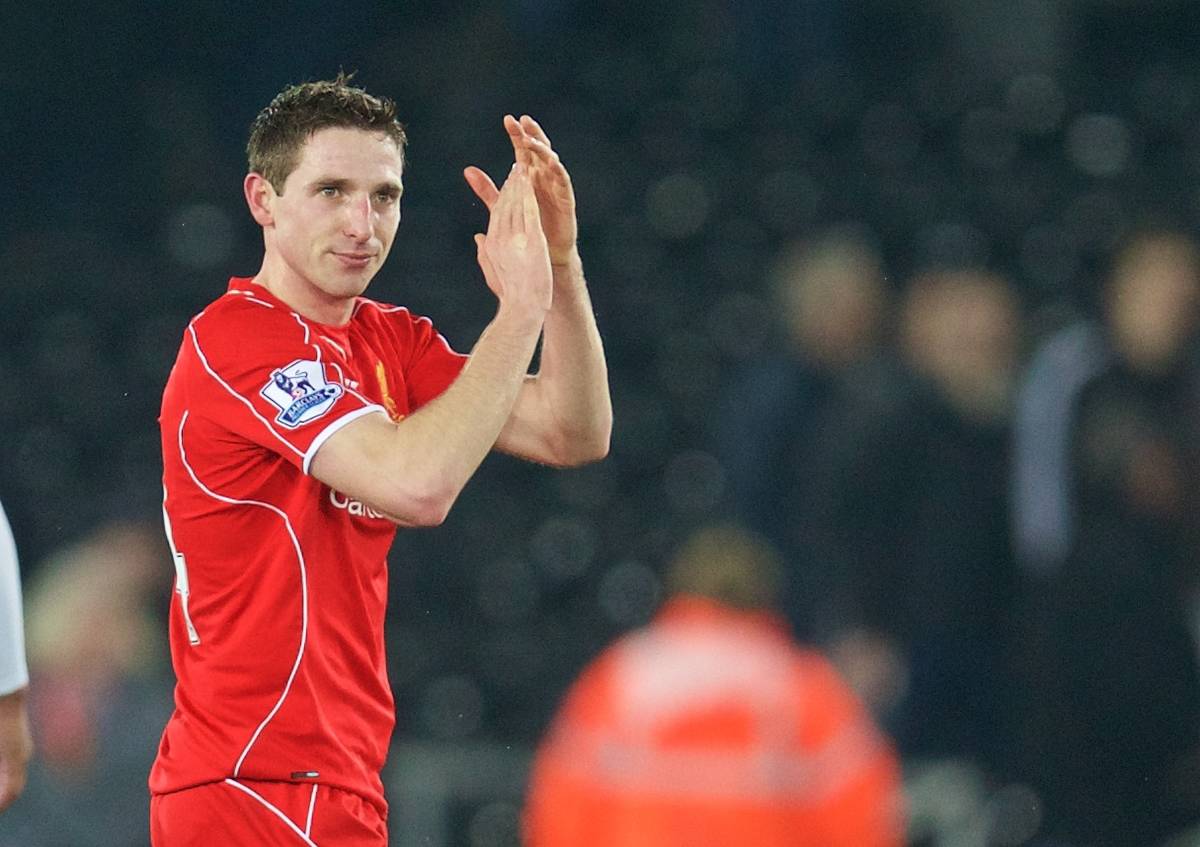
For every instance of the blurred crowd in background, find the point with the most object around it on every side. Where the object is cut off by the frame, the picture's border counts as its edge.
(909, 290)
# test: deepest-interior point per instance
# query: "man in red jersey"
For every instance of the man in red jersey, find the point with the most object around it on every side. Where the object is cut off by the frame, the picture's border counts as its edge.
(301, 423)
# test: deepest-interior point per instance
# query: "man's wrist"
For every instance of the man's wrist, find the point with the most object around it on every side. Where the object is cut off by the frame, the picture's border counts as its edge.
(566, 259)
(519, 319)
(569, 271)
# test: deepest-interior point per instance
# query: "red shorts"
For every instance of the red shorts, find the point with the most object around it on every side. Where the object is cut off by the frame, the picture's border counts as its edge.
(264, 814)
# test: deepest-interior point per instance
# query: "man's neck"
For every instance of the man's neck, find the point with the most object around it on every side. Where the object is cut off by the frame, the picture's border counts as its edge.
(302, 296)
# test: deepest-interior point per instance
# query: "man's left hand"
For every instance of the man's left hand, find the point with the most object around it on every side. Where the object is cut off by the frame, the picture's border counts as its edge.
(551, 185)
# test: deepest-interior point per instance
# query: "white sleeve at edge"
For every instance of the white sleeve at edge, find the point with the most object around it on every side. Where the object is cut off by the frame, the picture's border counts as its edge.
(14, 672)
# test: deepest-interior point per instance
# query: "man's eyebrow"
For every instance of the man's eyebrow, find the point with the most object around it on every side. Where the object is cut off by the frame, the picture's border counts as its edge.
(390, 186)
(330, 181)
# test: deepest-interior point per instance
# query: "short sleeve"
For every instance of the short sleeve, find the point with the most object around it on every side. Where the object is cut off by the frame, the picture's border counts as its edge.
(432, 363)
(14, 671)
(262, 378)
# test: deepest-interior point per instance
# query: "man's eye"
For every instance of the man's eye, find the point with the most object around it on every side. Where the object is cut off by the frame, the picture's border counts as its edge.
(386, 197)
(329, 190)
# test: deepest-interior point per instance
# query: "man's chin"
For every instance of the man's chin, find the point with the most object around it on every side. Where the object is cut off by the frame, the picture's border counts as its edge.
(350, 282)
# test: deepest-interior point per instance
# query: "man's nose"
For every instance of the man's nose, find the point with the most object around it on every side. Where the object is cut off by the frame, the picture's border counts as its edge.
(358, 218)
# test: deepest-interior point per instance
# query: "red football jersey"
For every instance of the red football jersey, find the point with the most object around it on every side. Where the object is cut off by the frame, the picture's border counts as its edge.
(276, 624)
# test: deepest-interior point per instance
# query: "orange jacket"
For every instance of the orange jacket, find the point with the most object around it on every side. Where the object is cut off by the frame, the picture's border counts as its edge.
(711, 727)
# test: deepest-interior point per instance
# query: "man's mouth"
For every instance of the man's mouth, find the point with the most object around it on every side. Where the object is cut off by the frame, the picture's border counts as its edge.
(354, 260)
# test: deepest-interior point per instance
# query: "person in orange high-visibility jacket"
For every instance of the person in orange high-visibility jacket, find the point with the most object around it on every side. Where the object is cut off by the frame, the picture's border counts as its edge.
(711, 726)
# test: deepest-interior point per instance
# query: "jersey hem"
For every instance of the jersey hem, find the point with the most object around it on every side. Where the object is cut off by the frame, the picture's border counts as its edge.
(380, 805)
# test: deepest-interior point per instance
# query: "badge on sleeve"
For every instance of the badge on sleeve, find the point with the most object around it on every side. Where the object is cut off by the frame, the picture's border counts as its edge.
(301, 393)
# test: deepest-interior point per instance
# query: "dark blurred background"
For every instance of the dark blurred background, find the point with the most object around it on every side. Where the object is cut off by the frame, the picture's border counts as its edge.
(981, 478)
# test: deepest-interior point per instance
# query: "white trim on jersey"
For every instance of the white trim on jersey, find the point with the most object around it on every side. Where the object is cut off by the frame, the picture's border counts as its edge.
(307, 333)
(416, 319)
(14, 670)
(350, 387)
(249, 295)
(182, 587)
(328, 431)
(333, 343)
(303, 588)
(312, 805)
(245, 789)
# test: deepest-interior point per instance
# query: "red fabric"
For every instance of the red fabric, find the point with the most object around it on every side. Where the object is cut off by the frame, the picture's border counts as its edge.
(251, 812)
(287, 579)
(711, 728)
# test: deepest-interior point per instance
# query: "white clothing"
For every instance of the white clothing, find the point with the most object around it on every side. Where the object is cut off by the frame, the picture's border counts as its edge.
(14, 672)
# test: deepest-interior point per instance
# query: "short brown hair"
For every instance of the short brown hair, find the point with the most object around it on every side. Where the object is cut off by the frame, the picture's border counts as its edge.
(282, 128)
(727, 563)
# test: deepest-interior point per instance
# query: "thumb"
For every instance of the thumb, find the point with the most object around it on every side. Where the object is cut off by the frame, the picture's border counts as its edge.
(485, 262)
(482, 185)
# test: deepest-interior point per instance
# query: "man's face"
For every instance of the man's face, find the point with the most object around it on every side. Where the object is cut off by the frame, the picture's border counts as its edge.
(334, 221)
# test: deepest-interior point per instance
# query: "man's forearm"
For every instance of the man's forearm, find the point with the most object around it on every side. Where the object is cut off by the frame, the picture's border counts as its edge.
(445, 441)
(413, 471)
(574, 374)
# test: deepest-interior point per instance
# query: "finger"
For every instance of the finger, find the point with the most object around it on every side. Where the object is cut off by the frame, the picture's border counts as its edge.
(501, 212)
(534, 130)
(547, 165)
(482, 185)
(542, 153)
(516, 134)
(481, 256)
(522, 190)
(531, 218)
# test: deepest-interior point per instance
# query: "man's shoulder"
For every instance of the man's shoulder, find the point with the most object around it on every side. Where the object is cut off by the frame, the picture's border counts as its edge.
(240, 318)
(237, 306)
(238, 334)
(399, 323)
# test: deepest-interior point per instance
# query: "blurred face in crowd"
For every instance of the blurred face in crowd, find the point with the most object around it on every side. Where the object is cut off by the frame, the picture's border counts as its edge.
(1152, 301)
(330, 227)
(962, 330)
(834, 300)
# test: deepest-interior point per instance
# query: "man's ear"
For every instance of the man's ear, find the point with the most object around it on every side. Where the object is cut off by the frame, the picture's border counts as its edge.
(260, 197)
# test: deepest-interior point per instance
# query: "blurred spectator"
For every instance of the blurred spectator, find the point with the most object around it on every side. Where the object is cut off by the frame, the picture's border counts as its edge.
(831, 306)
(711, 727)
(908, 507)
(1066, 360)
(98, 690)
(1115, 711)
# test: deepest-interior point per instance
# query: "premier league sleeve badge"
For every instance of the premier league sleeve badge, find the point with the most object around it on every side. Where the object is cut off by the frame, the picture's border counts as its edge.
(300, 392)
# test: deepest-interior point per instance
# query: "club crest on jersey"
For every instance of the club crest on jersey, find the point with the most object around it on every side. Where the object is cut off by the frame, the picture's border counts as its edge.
(301, 393)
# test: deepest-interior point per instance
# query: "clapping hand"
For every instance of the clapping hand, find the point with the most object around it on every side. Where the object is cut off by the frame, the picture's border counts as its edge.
(551, 186)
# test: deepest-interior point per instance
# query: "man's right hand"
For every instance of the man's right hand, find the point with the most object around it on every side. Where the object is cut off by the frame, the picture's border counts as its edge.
(513, 255)
(16, 746)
